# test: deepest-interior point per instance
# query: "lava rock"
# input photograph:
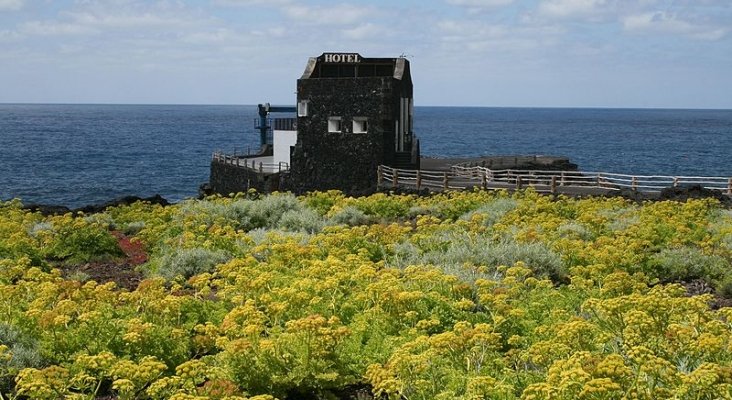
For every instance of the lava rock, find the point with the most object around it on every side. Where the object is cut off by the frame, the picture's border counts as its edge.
(684, 193)
(47, 209)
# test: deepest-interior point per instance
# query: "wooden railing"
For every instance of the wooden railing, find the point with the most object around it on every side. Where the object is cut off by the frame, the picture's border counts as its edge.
(542, 181)
(250, 163)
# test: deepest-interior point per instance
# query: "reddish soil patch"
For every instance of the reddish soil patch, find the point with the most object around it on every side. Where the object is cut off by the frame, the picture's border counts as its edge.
(133, 249)
(122, 272)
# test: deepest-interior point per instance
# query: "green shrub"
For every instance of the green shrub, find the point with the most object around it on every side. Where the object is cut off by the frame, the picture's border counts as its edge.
(80, 243)
(322, 202)
(460, 253)
(575, 230)
(493, 211)
(133, 228)
(350, 216)
(39, 228)
(190, 262)
(24, 353)
(305, 220)
(685, 264)
(266, 236)
(268, 211)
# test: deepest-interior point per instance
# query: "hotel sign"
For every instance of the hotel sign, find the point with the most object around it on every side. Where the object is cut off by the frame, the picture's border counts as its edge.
(349, 58)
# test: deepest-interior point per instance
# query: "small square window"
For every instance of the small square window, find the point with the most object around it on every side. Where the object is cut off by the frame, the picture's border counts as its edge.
(302, 108)
(334, 124)
(360, 125)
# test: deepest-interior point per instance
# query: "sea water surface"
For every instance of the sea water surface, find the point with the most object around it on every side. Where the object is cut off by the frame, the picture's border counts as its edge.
(75, 155)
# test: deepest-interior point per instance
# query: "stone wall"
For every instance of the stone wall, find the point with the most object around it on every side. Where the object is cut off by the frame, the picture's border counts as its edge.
(227, 178)
(347, 161)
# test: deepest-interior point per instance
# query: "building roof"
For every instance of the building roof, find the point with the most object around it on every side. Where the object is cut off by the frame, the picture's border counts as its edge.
(352, 65)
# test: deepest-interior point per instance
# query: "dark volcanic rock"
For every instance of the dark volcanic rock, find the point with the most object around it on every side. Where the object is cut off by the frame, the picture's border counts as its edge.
(631, 194)
(46, 209)
(683, 193)
(122, 201)
(205, 190)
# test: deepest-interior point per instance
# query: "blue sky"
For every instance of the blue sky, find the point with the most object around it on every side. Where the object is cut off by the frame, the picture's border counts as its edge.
(526, 53)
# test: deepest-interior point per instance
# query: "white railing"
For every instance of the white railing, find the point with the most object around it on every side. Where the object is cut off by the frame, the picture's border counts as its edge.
(255, 164)
(543, 181)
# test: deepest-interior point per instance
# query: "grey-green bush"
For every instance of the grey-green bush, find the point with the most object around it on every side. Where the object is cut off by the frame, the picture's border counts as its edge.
(351, 216)
(24, 351)
(303, 220)
(190, 262)
(244, 213)
(575, 230)
(459, 253)
(687, 263)
(493, 211)
(133, 228)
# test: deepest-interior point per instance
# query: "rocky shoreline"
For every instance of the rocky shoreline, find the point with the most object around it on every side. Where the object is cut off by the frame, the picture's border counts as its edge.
(537, 162)
(50, 209)
(533, 162)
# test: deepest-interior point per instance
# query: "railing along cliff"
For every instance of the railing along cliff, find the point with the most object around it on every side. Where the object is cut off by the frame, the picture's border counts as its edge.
(542, 181)
(256, 164)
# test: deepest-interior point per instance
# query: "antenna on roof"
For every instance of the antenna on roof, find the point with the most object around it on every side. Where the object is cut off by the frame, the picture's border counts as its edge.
(405, 55)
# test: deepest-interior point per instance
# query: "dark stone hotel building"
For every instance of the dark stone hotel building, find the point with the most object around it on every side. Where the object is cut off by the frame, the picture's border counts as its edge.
(353, 114)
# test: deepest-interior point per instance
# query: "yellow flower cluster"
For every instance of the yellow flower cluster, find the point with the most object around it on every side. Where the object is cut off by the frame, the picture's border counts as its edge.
(460, 295)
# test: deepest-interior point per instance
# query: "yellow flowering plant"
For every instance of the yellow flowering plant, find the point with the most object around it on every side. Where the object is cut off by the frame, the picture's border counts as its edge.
(458, 295)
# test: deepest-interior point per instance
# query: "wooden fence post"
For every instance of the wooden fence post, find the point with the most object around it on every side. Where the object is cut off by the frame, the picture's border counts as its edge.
(445, 181)
(676, 181)
(634, 183)
(379, 176)
(484, 179)
(260, 167)
(729, 186)
(554, 184)
(562, 182)
(419, 179)
(396, 179)
(518, 182)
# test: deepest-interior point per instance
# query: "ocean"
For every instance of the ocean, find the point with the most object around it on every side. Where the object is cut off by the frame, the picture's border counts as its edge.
(75, 155)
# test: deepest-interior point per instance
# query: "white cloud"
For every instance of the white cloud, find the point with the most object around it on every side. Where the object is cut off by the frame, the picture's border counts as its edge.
(480, 3)
(220, 35)
(8, 36)
(668, 23)
(131, 20)
(364, 31)
(575, 8)
(11, 5)
(246, 3)
(479, 37)
(457, 30)
(52, 28)
(341, 14)
(272, 32)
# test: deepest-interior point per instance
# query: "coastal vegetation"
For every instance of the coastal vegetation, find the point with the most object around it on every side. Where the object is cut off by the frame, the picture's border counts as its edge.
(458, 295)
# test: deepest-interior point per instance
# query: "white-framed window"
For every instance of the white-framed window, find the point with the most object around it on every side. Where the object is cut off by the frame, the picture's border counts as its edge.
(360, 125)
(302, 108)
(335, 124)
